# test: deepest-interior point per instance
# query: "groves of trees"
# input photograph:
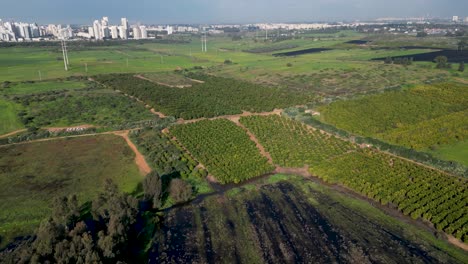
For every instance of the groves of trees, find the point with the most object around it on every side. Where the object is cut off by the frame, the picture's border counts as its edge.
(403, 117)
(415, 190)
(224, 148)
(110, 229)
(170, 161)
(291, 143)
(65, 108)
(214, 97)
(418, 191)
(422, 157)
(272, 48)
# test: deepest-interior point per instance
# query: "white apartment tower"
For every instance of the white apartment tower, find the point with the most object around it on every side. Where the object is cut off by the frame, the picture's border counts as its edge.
(455, 18)
(97, 30)
(136, 32)
(114, 32)
(123, 32)
(144, 32)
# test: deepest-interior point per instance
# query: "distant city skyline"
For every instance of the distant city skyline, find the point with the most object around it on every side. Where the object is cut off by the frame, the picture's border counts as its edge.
(224, 11)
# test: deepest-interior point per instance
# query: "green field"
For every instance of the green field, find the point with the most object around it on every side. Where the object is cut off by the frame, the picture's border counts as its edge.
(9, 120)
(32, 175)
(456, 152)
(424, 117)
(41, 87)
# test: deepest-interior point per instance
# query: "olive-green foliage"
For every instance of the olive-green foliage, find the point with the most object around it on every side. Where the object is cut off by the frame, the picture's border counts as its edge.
(152, 186)
(443, 130)
(216, 96)
(224, 148)
(107, 237)
(416, 190)
(97, 107)
(164, 155)
(180, 191)
(403, 117)
(291, 143)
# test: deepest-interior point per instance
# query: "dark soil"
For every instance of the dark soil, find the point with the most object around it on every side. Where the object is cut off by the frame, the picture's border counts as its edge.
(279, 224)
(300, 52)
(452, 55)
(358, 42)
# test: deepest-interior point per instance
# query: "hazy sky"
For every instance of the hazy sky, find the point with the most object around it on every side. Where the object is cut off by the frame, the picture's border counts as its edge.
(222, 11)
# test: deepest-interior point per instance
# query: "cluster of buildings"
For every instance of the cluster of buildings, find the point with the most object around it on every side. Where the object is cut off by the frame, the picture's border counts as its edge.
(458, 19)
(102, 30)
(20, 31)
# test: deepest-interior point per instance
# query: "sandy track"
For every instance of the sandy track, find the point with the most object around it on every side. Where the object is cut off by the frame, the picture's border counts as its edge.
(12, 133)
(139, 158)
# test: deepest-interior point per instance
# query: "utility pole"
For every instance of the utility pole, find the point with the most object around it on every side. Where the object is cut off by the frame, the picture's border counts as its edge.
(266, 34)
(127, 62)
(86, 67)
(162, 60)
(66, 52)
(64, 56)
(40, 76)
(206, 45)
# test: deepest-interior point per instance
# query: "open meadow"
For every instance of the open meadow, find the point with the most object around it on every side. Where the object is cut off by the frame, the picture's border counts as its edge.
(33, 174)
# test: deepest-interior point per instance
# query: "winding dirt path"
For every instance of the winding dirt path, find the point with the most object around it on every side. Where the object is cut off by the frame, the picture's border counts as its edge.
(139, 76)
(139, 158)
(234, 118)
(13, 133)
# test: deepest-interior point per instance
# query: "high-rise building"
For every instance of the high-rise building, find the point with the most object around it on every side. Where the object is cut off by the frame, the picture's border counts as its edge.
(97, 29)
(114, 32)
(91, 32)
(105, 21)
(124, 22)
(24, 30)
(455, 18)
(466, 19)
(136, 32)
(106, 32)
(123, 32)
(144, 32)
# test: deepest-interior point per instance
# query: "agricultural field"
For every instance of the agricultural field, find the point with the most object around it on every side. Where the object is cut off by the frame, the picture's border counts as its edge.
(224, 148)
(293, 221)
(416, 190)
(170, 160)
(424, 117)
(213, 96)
(33, 174)
(291, 143)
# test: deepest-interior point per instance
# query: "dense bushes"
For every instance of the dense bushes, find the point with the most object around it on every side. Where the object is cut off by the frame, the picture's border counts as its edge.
(224, 148)
(417, 191)
(98, 107)
(216, 96)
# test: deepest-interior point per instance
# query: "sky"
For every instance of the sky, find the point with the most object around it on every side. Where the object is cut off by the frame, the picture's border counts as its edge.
(222, 11)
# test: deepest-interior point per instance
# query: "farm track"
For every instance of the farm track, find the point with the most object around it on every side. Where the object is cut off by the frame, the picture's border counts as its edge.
(139, 76)
(139, 158)
(13, 133)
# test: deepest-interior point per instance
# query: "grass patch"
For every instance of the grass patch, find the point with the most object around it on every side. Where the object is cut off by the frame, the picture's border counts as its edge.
(455, 152)
(9, 120)
(31, 175)
(23, 88)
